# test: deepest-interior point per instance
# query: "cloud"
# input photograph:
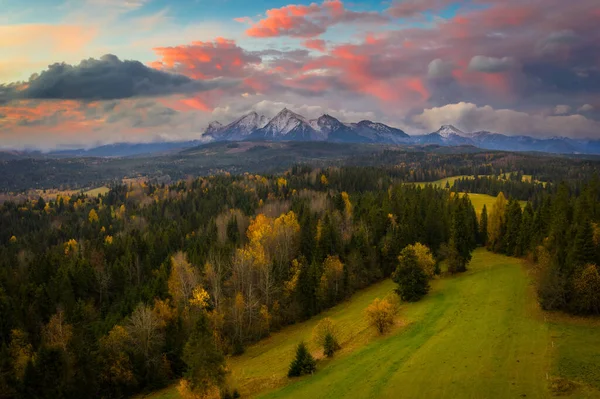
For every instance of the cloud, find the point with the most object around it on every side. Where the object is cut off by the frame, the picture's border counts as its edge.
(485, 64)
(106, 78)
(562, 109)
(206, 60)
(555, 40)
(585, 108)
(470, 118)
(315, 44)
(307, 21)
(410, 8)
(439, 68)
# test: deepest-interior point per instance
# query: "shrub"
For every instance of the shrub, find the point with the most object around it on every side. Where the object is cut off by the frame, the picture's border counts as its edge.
(381, 314)
(325, 335)
(330, 346)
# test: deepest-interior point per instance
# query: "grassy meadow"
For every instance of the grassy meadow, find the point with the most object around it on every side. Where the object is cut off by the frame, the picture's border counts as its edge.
(476, 335)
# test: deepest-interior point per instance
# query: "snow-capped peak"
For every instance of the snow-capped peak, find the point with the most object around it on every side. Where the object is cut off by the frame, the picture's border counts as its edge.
(378, 127)
(249, 122)
(213, 128)
(326, 124)
(284, 122)
(448, 130)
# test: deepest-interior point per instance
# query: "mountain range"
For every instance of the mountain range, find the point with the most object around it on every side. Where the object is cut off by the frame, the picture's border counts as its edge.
(290, 126)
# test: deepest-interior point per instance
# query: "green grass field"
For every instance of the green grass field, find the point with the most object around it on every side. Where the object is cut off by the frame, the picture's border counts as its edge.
(450, 180)
(97, 191)
(478, 200)
(442, 182)
(476, 335)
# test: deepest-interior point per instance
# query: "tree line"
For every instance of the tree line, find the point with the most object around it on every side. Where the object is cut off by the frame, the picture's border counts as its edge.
(561, 234)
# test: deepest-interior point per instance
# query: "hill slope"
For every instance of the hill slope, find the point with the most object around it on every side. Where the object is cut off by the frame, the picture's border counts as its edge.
(476, 335)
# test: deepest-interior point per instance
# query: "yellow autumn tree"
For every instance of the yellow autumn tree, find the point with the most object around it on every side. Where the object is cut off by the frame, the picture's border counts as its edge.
(380, 314)
(184, 277)
(116, 367)
(20, 351)
(291, 284)
(200, 298)
(71, 246)
(424, 258)
(58, 333)
(332, 278)
(281, 182)
(286, 238)
(325, 327)
(496, 221)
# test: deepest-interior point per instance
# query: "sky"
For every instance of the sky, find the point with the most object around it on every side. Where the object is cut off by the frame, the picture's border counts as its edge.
(81, 73)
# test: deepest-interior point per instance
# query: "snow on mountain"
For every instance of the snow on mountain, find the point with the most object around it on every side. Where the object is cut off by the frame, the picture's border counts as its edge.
(287, 125)
(326, 124)
(240, 128)
(447, 131)
(284, 122)
(381, 133)
(213, 128)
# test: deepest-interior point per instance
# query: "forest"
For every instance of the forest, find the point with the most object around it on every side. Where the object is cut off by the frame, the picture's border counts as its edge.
(152, 283)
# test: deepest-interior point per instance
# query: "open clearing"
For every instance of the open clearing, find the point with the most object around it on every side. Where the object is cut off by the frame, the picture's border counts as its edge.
(476, 335)
(97, 191)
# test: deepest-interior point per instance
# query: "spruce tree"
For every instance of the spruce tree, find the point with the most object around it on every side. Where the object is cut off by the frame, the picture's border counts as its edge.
(233, 233)
(583, 250)
(483, 226)
(330, 345)
(206, 363)
(303, 363)
(513, 227)
(413, 283)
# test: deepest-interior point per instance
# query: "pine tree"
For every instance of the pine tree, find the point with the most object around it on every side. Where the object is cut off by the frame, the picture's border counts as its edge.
(413, 283)
(303, 364)
(206, 364)
(462, 236)
(583, 250)
(513, 227)
(483, 226)
(233, 233)
(330, 346)
(526, 232)
(496, 224)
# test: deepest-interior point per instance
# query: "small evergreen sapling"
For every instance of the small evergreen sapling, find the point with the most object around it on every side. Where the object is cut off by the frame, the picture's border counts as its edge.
(303, 364)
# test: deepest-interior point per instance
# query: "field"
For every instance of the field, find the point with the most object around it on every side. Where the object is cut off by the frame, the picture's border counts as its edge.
(97, 191)
(442, 182)
(450, 180)
(480, 334)
(478, 200)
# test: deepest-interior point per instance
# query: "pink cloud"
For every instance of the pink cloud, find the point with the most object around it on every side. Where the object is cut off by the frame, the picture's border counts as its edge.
(410, 8)
(205, 60)
(309, 20)
(315, 44)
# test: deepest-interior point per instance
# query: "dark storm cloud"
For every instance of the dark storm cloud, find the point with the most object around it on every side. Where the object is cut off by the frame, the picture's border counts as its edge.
(560, 79)
(107, 78)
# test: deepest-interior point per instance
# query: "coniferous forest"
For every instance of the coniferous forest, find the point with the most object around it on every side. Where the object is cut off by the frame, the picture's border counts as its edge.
(126, 292)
